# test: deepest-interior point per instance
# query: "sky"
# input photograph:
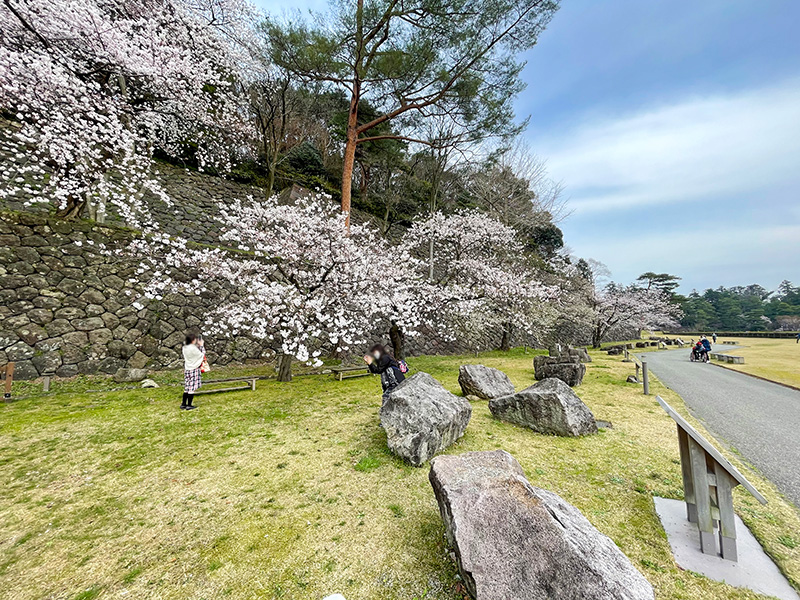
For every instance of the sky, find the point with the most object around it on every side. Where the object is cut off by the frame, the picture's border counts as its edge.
(675, 130)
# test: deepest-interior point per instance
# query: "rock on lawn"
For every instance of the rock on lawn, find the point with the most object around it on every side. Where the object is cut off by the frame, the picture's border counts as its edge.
(421, 418)
(514, 541)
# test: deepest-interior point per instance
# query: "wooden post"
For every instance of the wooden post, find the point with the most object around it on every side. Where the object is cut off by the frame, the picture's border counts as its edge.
(727, 519)
(9, 381)
(645, 378)
(686, 471)
(702, 499)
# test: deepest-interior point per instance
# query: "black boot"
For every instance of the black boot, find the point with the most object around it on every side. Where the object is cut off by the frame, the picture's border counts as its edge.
(189, 398)
(183, 402)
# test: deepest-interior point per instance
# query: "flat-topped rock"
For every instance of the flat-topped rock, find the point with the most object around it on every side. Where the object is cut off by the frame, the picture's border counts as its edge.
(548, 406)
(568, 369)
(484, 382)
(514, 541)
(421, 418)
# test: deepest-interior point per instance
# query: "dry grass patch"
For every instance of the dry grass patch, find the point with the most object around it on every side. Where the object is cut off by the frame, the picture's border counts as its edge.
(289, 491)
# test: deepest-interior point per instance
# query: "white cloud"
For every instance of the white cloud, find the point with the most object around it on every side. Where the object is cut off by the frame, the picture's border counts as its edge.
(743, 145)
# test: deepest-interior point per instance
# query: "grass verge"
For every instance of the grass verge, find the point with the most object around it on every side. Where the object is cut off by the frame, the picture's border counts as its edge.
(289, 492)
(773, 359)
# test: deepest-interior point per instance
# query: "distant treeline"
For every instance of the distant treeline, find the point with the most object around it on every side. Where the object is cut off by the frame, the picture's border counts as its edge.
(742, 308)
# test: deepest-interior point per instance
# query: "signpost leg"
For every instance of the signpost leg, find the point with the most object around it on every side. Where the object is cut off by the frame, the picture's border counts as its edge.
(705, 523)
(686, 471)
(727, 520)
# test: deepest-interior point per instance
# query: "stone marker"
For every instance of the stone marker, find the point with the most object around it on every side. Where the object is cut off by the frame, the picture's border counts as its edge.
(125, 375)
(514, 541)
(484, 382)
(567, 368)
(422, 418)
(149, 383)
(548, 406)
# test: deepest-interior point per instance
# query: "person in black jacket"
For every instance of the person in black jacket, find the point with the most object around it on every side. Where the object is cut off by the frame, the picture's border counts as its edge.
(381, 362)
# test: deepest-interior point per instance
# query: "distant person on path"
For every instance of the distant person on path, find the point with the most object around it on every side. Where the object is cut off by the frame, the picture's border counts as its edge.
(381, 362)
(193, 355)
(797, 339)
(714, 337)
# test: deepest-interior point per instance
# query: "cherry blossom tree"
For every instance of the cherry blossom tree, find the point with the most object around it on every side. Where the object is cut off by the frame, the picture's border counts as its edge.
(481, 278)
(98, 86)
(621, 307)
(303, 287)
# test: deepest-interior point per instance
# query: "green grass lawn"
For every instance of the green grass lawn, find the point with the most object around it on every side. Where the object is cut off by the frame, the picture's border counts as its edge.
(289, 492)
(773, 359)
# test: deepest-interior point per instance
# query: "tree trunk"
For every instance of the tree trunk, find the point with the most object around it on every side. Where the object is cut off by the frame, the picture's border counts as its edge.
(398, 339)
(284, 367)
(271, 176)
(597, 338)
(430, 260)
(350, 151)
(73, 209)
(505, 340)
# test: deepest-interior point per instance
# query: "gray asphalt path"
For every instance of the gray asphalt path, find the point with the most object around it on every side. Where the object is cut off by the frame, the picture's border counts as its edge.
(760, 419)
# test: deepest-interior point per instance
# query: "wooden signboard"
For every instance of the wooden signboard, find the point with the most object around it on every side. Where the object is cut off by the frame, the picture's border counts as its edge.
(708, 481)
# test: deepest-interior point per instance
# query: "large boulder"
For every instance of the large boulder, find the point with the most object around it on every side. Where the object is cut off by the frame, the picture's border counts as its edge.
(548, 406)
(484, 382)
(422, 418)
(568, 369)
(514, 541)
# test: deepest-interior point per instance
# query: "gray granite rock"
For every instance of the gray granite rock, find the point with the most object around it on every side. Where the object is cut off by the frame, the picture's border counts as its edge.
(549, 407)
(484, 382)
(421, 418)
(568, 369)
(514, 541)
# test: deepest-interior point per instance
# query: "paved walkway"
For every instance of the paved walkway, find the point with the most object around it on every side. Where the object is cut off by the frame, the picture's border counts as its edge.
(760, 419)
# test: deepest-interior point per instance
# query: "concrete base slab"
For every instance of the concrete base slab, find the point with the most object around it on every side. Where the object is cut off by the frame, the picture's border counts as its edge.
(754, 570)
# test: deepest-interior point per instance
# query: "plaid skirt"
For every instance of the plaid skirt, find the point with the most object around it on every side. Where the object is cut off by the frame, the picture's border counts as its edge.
(191, 380)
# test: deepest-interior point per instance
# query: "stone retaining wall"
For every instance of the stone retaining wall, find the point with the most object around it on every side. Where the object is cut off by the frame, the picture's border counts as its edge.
(68, 308)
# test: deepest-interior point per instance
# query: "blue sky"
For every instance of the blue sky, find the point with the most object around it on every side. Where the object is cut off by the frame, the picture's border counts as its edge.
(675, 129)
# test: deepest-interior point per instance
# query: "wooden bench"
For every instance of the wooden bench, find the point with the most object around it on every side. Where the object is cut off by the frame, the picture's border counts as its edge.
(348, 372)
(248, 383)
(708, 479)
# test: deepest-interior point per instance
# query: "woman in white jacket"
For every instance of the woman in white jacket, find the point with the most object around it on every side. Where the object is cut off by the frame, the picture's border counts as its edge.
(193, 354)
